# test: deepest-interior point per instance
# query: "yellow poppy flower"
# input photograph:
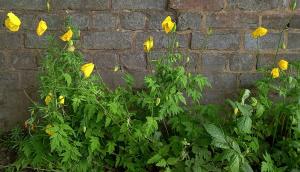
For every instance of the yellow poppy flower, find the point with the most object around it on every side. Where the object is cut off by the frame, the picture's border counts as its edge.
(87, 69)
(275, 72)
(41, 28)
(259, 32)
(61, 100)
(67, 36)
(148, 44)
(168, 24)
(283, 65)
(48, 130)
(48, 98)
(12, 23)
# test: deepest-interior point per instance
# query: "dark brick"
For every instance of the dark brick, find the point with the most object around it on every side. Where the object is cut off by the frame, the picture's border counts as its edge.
(156, 18)
(96, 4)
(32, 40)
(278, 21)
(23, 4)
(138, 76)
(3, 62)
(232, 20)
(295, 21)
(133, 60)
(82, 21)
(214, 62)
(242, 62)
(29, 79)
(222, 81)
(9, 40)
(189, 21)
(65, 4)
(216, 96)
(104, 21)
(9, 80)
(133, 21)
(265, 60)
(206, 5)
(139, 4)
(103, 60)
(24, 59)
(248, 80)
(107, 40)
(254, 5)
(161, 40)
(54, 21)
(294, 41)
(228, 40)
(270, 41)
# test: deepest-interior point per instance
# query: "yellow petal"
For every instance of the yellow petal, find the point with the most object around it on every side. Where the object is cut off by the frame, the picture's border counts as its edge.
(41, 28)
(12, 22)
(148, 44)
(259, 32)
(168, 24)
(67, 36)
(61, 100)
(283, 64)
(48, 98)
(87, 69)
(275, 72)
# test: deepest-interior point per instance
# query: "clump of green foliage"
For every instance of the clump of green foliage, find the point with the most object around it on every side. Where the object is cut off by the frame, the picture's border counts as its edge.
(162, 127)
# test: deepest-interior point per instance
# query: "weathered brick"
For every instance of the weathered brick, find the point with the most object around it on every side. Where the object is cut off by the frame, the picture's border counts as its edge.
(54, 21)
(9, 80)
(156, 18)
(23, 59)
(248, 80)
(65, 4)
(242, 62)
(295, 21)
(23, 4)
(107, 40)
(161, 40)
(189, 20)
(206, 5)
(216, 96)
(232, 20)
(32, 40)
(226, 40)
(9, 40)
(3, 62)
(133, 20)
(222, 81)
(81, 20)
(102, 60)
(253, 5)
(28, 79)
(294, 41)
(133, 60)
(139, 4)
(104, 21)
(214, 62)
(278, 21)
(270, 41)
(138, 76)
(96, 4)
(265, 60)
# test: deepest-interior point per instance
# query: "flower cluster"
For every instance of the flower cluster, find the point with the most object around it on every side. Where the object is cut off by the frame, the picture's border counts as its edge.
(282, 65)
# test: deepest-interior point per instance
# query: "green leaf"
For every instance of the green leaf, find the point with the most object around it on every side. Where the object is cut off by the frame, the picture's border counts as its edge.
(111, 147)
(235, 164)
(172, 161)
(246, 95)
(68, 79)
(215, 132)
(161, 163)
(244, 124)
(94, 144)
(107, 121)
(154, 159)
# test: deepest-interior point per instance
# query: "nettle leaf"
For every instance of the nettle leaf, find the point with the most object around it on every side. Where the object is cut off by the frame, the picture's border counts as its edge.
(161, 163)
(245, 96)
(246, 110)
(244, 124)
(68, 78)
(172, 161)
(235, 164)
(215, 132)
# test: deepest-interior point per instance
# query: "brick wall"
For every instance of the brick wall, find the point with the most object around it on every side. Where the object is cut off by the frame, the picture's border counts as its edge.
(113, 32)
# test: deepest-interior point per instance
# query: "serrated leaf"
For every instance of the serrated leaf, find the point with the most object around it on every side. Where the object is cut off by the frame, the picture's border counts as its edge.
(161, 163)
(94, 144)
(111, 147)
(215, 132)
(68, 79)
(154, 159)
(172, 161)
(244, 124)
(235, 164)
(107, 121)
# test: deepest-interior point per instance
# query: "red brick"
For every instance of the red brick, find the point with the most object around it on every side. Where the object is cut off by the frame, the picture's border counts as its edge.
(207, 5)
